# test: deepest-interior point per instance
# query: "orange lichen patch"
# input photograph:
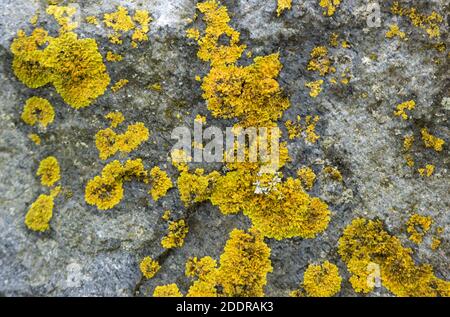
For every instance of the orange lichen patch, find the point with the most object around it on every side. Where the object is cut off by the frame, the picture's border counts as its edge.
(106, 191)
(408, 105)
(149, 267)
(315, 87)
(108, 142)
(330, 6)
(429, 23)
(41, 211)
(116, 118)
(417, 227)
(427, 171)
(244, 265)
(74, 66)
(92, 20)
(321, 280)
(320, 61)
(35, 138)
(119, 85)
(334, 173)
(175, 237)
(49, 171)
(431, 141)
(394, 31)
(170, 290)
(111, 57)
(38, 111)
(307, 177)
(63, 15)
(161, 183)
(283, 5)
(408, 142)
(365, 243)
(249, 93)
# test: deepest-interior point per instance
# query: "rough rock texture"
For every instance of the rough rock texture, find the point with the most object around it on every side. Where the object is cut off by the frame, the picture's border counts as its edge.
(90, 252)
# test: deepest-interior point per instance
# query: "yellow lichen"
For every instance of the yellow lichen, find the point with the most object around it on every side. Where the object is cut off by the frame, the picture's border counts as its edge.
(334, 37)
(244, 265)
(166, 215)
(334, 173)
(92, 20)
(119, 85)
(429, 23)
(193, 33)
(408, 142)
(320, 61)
(310, 130)
(294, 129)
(106, 191)
(408, 105)
(35, 138)
(74, 66)
(321, 280)
(394, 30)
(175, 237)
(116, 118)
(111, 57)
(248, 93)
(315, 87)
(149, 267)
(108, 142)
(417, 227)
(431, 141)
(307, 177)
(330, 6)
(435, 243)
(155, 87)
(49, 171)
(38, 111)
(283, 5)
(196, 187)
(41, 211)
(120, 21)
(170, 290)
(143, 19)
(161, 183)
(63, 15)
(365, 244)
(427, 171)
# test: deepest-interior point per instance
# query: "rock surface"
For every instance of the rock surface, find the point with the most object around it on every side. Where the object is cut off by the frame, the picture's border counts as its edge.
(92, 252)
